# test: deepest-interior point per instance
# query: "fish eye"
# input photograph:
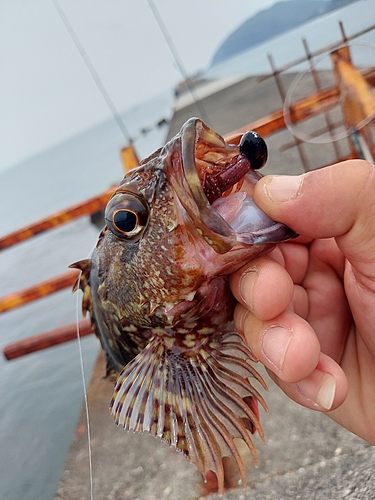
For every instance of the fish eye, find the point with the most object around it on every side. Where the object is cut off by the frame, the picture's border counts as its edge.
(125, 220)
(126, 215)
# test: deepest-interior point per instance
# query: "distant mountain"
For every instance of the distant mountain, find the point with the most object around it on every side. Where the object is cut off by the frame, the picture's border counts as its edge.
(281, 17)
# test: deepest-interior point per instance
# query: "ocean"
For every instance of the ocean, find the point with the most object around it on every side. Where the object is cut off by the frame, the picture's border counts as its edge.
(41, 394)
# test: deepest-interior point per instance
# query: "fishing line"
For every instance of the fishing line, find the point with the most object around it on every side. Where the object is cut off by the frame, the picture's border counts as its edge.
(116, 115)
(190, 86)
(305, 137)
(86, 401)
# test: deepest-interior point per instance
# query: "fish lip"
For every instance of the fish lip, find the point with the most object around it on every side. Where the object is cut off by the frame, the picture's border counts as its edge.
(189, 138)
(274, 234)
(215, 229)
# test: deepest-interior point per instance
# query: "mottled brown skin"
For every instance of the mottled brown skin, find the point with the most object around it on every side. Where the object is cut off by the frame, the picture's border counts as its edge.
(159, 301)
(158, 257)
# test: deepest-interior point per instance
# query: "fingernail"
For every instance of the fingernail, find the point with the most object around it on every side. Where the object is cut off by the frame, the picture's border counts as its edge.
(283, 188)
(326, 394)
(275, 344)
(319, 388)
(247, 283)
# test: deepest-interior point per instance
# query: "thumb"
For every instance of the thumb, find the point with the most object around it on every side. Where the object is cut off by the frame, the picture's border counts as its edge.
(336, 201)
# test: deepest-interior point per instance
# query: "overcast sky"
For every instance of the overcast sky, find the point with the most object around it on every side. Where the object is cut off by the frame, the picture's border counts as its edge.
(47, 93)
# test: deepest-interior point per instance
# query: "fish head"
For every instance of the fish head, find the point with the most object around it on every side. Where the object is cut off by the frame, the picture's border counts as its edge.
(164, 239)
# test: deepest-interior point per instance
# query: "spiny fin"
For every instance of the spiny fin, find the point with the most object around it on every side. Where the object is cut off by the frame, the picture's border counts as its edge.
(196, 399)
(83, 283)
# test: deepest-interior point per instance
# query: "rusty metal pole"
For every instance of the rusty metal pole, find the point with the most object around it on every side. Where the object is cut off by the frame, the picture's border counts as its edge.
(86, 208)
(22, 297)
(48, 339)
(282, 93)
(318, 86)
(358, 102)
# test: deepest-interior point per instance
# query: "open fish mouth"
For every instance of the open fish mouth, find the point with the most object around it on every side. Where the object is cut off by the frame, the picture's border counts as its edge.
(214, 172)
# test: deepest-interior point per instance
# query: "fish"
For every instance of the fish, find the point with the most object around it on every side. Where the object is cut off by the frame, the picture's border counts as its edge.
(156, 288)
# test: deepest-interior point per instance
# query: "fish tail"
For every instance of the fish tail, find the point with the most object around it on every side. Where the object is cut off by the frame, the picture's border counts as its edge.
(197, 399)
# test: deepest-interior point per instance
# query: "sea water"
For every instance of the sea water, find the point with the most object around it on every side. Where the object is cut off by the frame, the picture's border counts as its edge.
(41, 394)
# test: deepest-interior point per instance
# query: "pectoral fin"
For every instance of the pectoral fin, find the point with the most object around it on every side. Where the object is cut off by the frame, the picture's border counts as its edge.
(196, 399)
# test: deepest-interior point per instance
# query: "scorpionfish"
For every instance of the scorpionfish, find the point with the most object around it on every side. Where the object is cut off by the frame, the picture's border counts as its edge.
(157, 290)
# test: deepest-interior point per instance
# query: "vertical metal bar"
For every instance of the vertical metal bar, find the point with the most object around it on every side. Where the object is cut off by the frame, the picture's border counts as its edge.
(282, 92)
(345, 39)
(327, 115)
(343, 34)
(361, 146)
(355, 139)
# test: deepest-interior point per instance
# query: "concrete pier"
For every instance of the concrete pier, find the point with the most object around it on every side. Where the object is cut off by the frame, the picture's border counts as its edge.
(306, 455)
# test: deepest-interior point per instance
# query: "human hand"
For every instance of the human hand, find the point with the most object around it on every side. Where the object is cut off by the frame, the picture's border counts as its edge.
(307, 310)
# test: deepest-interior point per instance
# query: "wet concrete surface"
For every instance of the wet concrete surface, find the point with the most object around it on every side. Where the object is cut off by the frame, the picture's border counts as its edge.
(253, 98)
(306, 455)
